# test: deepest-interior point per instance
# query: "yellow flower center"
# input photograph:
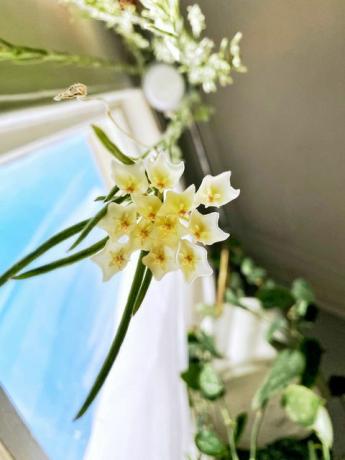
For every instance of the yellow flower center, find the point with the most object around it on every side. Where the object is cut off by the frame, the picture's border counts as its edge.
(117, 259)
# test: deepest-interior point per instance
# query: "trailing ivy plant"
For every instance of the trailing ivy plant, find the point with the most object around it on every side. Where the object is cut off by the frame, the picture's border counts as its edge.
(294, 373)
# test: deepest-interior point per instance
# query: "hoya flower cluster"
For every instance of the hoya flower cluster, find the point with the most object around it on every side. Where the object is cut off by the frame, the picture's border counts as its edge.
(164, 223)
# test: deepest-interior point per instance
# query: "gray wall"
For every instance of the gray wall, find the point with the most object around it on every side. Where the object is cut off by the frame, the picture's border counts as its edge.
(280, 129)
(52, 25)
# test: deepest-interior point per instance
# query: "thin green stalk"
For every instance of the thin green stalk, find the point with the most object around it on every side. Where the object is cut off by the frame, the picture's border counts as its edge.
(53, 241)
(255, 434)
(143, 290)
(76, 257)
(119, 337)
(325, 452)
(89, 226)
(28, 55)
(230, 425)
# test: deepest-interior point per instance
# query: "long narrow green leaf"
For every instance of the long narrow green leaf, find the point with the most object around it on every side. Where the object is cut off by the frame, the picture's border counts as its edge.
(65, 261)
(119, 337)
(143, 290)
(110, 195)
(111, 147)
(89, 226)
(28, 55)
(94, 221)
(53, 241)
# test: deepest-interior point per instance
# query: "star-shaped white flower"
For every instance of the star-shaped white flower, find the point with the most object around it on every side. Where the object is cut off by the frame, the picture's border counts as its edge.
(119, 220)
(192, 260)
(160, 260)
(113, 258)
(130, 178)
(147, 205)
(168, 230)
(164, 174)
(204, 228)
(216, 190)
(141, 236)
(178, 204)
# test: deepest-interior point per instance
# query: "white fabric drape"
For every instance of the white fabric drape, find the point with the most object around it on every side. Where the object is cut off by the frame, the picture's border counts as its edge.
(142, 412)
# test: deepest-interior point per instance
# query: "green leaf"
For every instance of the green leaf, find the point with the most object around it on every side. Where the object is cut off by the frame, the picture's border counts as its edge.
(301, 290)
(111, 147)
(240, 424)
(312, 351)
(275, 297)
(323, 427)
(207, 343)
(288, 365)
(89, 226)
(210, 383)
(76, 257)
(43, 248)
(301, 404)
(277, 326)
(119, 337)
(191, 376)
(209, 443)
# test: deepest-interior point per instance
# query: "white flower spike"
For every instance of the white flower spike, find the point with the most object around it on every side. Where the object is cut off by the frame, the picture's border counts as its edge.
(147, 205)
(204, 228)
(119, 220)
(130, 178)
(192, 260)
(164, 174)
(179, 204)
(216, 191)
(160, 260)
(113, 258)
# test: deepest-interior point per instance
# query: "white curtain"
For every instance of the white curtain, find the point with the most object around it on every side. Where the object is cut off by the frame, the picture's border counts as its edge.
(142, 412)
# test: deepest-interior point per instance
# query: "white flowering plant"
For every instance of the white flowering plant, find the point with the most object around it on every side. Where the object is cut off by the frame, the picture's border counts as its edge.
(146, 212)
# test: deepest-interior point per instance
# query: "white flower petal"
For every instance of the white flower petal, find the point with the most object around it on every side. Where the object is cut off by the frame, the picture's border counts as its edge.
(164, 174)
(119, 220)
(130, 178)
(204, 228)
(160, 260)
(113, 258)
(147, 205)
(192, 260)
(216, 190)
(178, 204)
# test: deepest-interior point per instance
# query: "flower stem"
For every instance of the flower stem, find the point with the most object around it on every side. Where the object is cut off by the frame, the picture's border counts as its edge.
(255, 434)
(229, 424)
(119, 337)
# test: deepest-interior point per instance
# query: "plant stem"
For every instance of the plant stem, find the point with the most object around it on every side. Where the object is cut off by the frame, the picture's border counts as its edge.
(255, 434)
(119, 337)
(229, 424)
(147, 278)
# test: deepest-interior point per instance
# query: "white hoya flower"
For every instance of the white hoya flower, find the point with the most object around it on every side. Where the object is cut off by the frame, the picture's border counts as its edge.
(196, 20)
(192, 260)
(113, 258)
(164, 174)
(147, 205)
(160, 260)
(119, 220)
(179, 204)
(141, 236)
(168, 230)
(204, 228)
(216, 190)
(130, 178)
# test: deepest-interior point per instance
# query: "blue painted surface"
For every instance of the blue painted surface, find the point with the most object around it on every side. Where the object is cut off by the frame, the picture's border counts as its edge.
(54, 329)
